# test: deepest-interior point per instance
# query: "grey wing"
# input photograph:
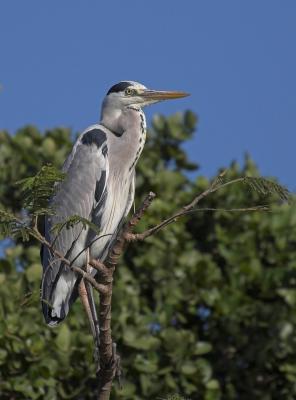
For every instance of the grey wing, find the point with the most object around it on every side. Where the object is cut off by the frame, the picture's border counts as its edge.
(86, 174)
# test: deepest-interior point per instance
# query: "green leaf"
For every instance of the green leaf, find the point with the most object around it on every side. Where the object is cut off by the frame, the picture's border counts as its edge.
(188, 368)
(265, 186)
(33, 273)
(202, 348)
(289, 295)
(73, 220)
(37, 190)
(63, 339)
(213, 384)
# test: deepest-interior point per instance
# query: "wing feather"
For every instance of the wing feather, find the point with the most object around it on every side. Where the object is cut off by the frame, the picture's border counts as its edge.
(84, 186)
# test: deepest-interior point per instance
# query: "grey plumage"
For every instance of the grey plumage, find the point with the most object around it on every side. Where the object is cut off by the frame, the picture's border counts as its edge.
(99, 185)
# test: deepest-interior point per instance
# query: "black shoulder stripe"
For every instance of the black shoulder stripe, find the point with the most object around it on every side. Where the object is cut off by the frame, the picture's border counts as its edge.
(95, 136)
(100, 186)
(105, 150)
(119, 87)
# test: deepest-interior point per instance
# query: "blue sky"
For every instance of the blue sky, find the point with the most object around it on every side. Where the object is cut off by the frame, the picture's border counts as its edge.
(236, 58)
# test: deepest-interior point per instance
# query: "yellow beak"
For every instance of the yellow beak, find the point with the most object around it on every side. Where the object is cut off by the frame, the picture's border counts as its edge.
(162, 94)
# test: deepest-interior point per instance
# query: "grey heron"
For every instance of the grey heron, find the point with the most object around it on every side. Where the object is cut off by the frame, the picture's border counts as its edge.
(100, 186)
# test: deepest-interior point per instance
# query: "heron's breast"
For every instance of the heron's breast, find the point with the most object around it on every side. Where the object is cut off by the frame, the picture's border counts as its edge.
(112, 210)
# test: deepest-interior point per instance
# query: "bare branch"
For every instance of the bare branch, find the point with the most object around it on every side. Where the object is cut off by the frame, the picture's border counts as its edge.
(215, 185)
(117, 249)
(133, 237)
(110, 360)
(189, 208)
(103, 271)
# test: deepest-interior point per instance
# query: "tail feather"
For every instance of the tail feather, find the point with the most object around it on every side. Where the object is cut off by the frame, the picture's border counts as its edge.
(58, 295)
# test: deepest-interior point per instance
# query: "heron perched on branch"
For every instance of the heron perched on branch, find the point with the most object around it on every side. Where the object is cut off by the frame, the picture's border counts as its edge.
(99, 186)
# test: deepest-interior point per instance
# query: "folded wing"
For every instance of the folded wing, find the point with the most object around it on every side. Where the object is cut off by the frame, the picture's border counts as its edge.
(84, 186)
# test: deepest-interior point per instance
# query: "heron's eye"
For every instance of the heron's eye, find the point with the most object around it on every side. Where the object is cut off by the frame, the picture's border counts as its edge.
(129, 92)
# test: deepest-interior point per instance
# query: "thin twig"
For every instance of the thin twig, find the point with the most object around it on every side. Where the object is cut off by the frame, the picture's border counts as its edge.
(134, 237)
(98, 286)
(104, 274)
(215, 185)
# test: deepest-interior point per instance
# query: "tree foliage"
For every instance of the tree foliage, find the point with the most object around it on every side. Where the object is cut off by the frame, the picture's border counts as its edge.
(37, 190)
(204, 309)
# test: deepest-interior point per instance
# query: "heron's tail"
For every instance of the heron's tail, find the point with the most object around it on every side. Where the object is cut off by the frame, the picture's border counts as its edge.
(57, 296)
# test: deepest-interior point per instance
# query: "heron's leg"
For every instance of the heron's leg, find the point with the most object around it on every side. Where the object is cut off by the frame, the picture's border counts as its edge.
(94, 315)
(93, 320)
(84, 300)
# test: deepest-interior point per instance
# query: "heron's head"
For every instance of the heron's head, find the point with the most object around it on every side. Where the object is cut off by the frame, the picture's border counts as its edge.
(128, 94)
(133, 94)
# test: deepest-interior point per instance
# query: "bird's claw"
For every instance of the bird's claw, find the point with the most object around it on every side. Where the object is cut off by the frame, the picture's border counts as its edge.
(116, 365)
(96, 356)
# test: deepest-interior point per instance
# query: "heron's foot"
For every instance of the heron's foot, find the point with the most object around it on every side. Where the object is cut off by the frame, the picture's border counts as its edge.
(112, 369)
(116, 365)
(96, 356)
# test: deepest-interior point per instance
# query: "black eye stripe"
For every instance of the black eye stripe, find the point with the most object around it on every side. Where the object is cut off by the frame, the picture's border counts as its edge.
(119, 87)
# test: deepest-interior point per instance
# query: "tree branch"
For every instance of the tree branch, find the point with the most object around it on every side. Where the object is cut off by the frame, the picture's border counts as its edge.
(189, 208)
(110, 360)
